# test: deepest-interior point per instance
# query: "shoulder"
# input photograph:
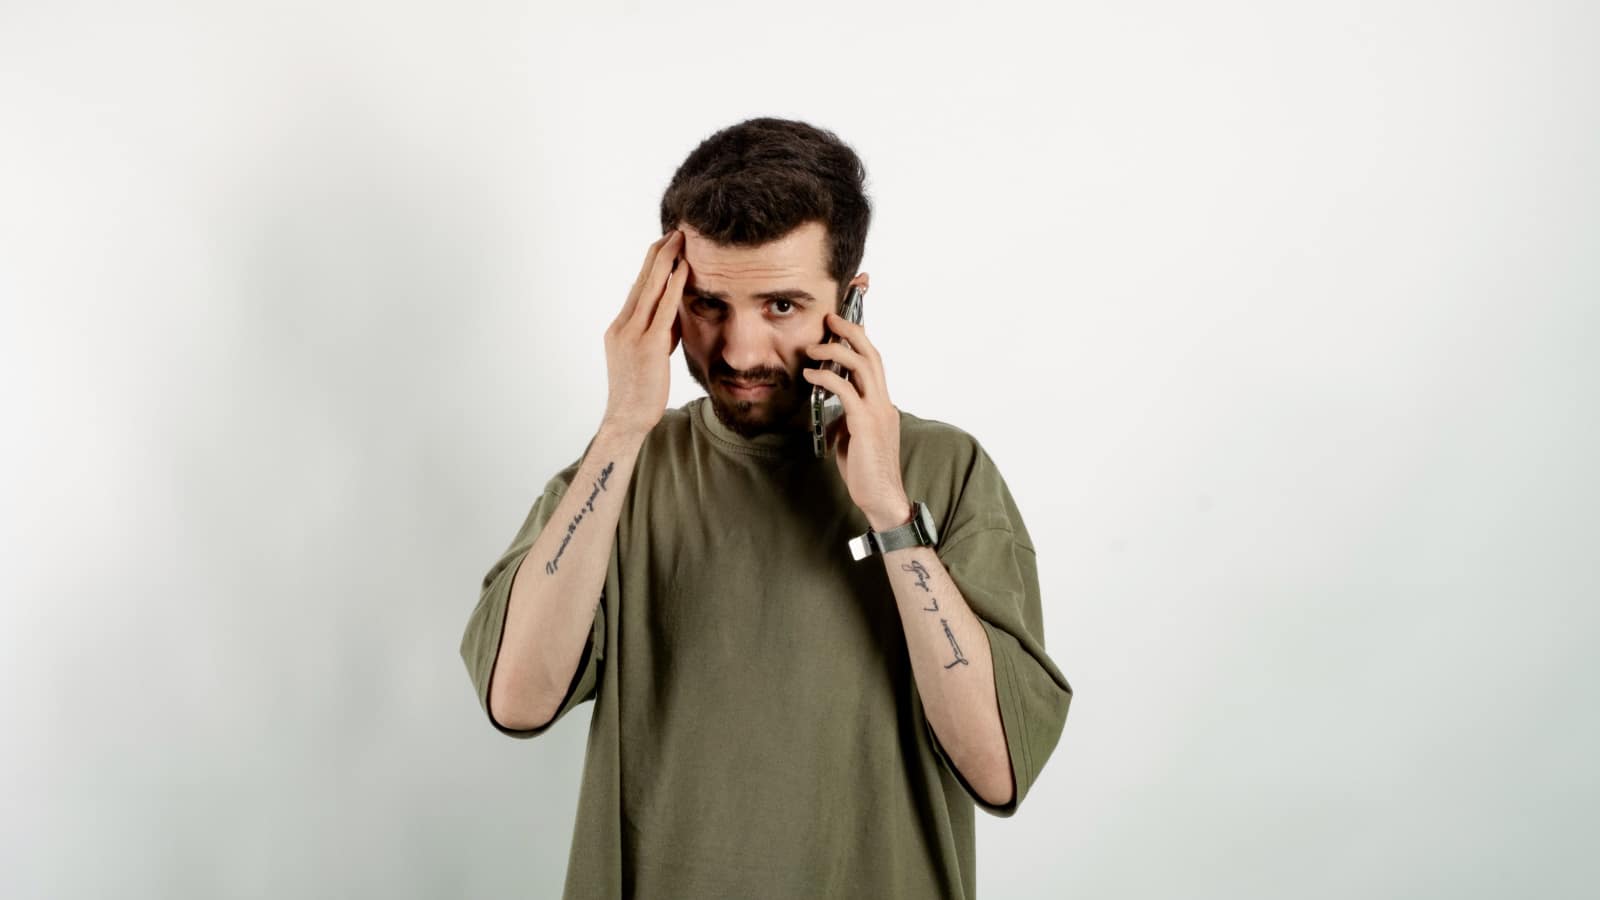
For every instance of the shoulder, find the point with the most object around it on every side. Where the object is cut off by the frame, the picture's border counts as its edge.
(949, 468)
(931, 442)
(938, 459)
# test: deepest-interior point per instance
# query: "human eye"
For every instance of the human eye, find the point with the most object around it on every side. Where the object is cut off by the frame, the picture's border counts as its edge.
(787, 303)
(706, 306)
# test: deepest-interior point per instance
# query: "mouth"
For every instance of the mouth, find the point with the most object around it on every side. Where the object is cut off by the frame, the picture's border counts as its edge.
(746, 391)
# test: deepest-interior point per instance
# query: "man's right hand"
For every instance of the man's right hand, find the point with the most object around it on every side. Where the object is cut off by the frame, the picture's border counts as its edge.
(640, 340)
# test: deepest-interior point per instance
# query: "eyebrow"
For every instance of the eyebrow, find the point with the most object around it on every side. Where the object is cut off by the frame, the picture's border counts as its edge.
(785, 294)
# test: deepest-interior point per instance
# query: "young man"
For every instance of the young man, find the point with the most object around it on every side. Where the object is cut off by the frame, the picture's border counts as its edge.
(773, 716)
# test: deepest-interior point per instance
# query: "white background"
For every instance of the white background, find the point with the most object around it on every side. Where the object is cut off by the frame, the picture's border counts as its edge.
(1279, 319)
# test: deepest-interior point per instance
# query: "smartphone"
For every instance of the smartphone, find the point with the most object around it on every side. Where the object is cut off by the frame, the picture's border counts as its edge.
(825, 406)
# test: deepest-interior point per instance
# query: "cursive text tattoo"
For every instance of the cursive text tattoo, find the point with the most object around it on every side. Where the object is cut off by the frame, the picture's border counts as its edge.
(588, 507)
(934, 607)
(953, 645)
(921, 572)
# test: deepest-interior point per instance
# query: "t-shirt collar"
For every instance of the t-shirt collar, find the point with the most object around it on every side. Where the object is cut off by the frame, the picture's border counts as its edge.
(777, 444)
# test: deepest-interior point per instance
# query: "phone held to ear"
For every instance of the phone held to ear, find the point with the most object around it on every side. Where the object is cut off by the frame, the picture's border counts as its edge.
(825, 406)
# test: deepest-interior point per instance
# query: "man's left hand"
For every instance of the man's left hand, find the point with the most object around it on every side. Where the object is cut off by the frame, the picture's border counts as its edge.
(867, 437)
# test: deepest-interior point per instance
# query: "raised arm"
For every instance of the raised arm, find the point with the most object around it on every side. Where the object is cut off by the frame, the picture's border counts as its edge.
(523, 668)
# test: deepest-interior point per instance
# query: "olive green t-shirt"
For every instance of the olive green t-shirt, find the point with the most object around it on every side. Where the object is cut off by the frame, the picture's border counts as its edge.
(756, 729)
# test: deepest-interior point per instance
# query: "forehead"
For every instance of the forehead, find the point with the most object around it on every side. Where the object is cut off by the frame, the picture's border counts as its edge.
(795, 258)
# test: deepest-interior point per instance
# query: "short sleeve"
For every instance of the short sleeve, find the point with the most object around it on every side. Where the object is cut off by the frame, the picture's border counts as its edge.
(480, 645)
(992, 561)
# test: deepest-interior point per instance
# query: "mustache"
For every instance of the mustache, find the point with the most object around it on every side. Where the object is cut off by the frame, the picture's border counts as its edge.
(757, 376)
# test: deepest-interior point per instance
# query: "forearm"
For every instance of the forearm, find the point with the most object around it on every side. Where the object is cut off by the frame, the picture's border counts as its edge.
(953, 668)
(557, 586)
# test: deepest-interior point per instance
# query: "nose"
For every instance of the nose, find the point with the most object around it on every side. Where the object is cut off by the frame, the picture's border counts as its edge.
(745, 341)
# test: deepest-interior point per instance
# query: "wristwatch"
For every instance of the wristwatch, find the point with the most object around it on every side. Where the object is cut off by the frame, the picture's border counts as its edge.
(919, 532)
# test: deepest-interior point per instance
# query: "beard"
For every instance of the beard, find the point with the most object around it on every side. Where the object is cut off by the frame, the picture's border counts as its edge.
(780, 411)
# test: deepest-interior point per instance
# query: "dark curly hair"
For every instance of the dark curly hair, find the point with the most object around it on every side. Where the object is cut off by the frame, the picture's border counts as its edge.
(756, 181)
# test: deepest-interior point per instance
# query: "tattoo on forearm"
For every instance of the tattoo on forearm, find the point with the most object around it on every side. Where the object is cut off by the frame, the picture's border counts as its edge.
(921, 572)
(917, 568)
(953, 645)
(588, 507)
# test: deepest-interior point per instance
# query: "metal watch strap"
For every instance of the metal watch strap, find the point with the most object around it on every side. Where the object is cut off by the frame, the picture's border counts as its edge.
(919, 532)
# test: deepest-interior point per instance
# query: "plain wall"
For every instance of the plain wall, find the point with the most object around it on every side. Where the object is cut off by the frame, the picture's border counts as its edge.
(1279, 319)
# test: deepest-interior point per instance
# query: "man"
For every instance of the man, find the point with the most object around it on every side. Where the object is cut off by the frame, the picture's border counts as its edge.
(773, 717)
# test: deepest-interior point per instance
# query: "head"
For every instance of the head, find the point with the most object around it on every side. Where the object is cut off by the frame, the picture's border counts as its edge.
(775, 217)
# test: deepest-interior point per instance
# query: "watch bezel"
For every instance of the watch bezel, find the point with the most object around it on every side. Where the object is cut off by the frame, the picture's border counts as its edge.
(923, 520)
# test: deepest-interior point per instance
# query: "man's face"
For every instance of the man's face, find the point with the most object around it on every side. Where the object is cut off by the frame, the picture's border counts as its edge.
(748, 313)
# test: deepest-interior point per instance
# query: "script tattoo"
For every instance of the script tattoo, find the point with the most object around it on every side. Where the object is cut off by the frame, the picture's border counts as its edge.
(588, 507)
(921, 572)
(953, 645)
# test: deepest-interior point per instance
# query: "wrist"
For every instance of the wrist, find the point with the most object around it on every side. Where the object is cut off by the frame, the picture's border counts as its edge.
(918, 530)
(879, 520)
(617, 431)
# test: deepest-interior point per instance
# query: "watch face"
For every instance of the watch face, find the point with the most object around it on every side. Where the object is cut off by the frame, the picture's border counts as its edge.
(924, 521)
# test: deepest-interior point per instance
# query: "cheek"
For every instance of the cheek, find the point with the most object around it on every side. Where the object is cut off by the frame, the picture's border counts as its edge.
(692, 328)
(698, 325)
(797, 358)
(696, 339)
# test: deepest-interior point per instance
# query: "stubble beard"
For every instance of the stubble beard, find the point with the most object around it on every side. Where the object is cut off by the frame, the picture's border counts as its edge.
(778, 413)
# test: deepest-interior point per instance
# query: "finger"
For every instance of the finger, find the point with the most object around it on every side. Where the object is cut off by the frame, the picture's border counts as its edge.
(862, 370)
(838, 437)
(855, 332)
(835, 430)
(666, 314)
(869, 352)
(638, 282)
(644, 273)
(853, 404)
(650, 294)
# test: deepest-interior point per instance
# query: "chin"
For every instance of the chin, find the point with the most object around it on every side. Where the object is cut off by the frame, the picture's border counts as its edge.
(752, 417)
(738, 414)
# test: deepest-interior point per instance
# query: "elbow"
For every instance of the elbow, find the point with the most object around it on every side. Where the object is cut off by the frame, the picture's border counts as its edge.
(517, 713)
(513, 721)
(989, 777)
(997, 788)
